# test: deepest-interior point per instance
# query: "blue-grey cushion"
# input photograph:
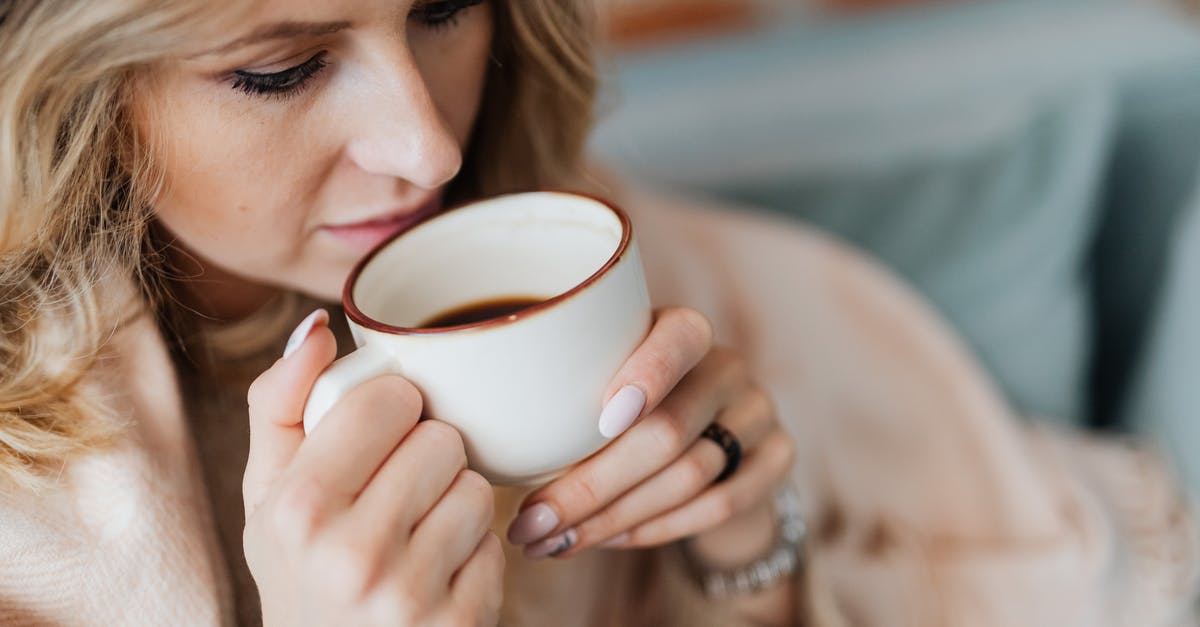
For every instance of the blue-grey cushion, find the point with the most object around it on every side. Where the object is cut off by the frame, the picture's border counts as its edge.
(1166, 396)
(971, 147)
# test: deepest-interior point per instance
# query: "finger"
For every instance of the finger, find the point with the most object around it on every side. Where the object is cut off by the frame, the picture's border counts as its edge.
(644, 450)
(409, 483)
(752, 483)
(447, 536)
(750, 419)
(478, 587)
(679, 339)
(276, 405)
(333, 464)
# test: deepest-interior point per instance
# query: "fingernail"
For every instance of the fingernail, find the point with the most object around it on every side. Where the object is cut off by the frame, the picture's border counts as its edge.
(616, 541)
(553, 546)
(532, 524)
(622, 409)
(296, 339)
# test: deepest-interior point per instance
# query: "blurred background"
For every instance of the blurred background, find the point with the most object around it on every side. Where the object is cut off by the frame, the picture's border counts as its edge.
(1033, 168)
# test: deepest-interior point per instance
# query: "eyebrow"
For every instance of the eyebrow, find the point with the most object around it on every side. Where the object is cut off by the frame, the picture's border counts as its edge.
(280, 30)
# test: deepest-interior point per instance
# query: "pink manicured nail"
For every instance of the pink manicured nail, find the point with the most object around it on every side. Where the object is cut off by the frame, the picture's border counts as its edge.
(553, 546)
(622, 409)
(616, 541)
(296, 339)
(532, 524)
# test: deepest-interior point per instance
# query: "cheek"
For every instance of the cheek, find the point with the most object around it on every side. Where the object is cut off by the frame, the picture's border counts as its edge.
(227, 188)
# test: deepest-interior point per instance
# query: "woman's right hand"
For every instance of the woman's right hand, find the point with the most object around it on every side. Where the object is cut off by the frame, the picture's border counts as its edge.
(373, 518)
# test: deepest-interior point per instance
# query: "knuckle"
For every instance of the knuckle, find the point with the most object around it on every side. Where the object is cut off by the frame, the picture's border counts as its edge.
(737, 364)
(724, 507)
(492, 550)
(659, 365)
(477, 491)
(394, 392)
(393, 607)
(386, 611)
(698, 324)
(295, 512)
(743, 499)
(249, 488)
(731, 365)
(442, 437)
(251, 545)
(670, 430)
(760, 402)
(345, 566)
(257, 396)
(584, 492)
(574, 496)
(253, 489)
(459, 616)
(474, 483)
(695, 474)
(409, 587)
(783, 451)
(600, 525)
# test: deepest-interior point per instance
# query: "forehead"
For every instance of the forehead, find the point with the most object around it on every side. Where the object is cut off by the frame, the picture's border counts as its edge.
(239, 22)
(260, 11)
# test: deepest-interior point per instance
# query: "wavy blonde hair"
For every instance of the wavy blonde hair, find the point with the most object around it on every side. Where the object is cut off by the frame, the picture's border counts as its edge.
(76, 184)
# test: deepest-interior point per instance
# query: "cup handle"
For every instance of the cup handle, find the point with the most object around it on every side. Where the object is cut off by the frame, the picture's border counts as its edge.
(342, 376)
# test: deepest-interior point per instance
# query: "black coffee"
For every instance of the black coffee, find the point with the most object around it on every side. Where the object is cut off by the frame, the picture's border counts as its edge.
(481, 310)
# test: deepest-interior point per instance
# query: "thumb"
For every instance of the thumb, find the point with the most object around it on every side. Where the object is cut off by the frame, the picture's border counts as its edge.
(276, 401)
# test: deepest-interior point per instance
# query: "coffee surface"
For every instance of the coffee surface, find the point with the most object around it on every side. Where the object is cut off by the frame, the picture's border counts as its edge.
(480, 310)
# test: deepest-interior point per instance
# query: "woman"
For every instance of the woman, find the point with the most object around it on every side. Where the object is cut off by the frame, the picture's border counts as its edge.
(182, 184)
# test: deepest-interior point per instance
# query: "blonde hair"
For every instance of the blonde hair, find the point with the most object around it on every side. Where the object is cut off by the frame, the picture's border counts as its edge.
(76, 184)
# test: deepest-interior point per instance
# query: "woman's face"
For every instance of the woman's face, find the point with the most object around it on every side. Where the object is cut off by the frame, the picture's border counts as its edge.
(316, 130)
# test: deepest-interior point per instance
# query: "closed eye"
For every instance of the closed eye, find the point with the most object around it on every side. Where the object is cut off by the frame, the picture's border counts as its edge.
(283, 83)
(442, 14)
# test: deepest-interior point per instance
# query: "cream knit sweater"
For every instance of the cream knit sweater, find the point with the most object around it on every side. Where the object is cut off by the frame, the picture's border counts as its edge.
(930, 505)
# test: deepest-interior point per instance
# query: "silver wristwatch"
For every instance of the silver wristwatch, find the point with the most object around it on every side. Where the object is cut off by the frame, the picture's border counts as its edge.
(783, 559)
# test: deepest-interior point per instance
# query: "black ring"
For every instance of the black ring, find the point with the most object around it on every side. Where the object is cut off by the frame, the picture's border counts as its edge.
(728, 443)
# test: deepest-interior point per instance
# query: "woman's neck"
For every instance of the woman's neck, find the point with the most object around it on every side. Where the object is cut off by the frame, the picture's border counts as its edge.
(213, 293)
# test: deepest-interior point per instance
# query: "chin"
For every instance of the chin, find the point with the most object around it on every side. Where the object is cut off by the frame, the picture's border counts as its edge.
(320, 277)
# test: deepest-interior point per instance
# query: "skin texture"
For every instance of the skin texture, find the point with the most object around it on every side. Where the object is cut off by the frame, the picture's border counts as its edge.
(254, 183)
(252, 179)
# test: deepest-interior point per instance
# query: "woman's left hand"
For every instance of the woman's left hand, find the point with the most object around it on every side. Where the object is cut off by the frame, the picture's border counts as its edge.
(655, 483)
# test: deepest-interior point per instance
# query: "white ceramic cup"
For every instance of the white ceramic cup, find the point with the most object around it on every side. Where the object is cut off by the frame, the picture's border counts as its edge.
(524, 390)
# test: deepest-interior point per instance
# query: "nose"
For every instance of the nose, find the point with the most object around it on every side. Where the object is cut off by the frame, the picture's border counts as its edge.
(398, 130)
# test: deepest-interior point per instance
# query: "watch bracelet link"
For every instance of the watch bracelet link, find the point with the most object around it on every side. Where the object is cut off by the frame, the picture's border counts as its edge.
(781, 561)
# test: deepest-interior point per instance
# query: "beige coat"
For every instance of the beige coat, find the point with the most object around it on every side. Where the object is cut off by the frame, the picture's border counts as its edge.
(930, 504)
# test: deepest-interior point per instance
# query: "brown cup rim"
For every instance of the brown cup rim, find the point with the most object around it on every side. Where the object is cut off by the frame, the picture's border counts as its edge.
(358, 317)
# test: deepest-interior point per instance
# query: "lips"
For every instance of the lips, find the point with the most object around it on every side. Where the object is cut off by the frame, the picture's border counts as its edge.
(368, 234)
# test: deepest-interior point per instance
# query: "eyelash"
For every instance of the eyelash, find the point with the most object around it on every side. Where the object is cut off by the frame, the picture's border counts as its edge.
(438, 16)
(443, 14)
(286, 83)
